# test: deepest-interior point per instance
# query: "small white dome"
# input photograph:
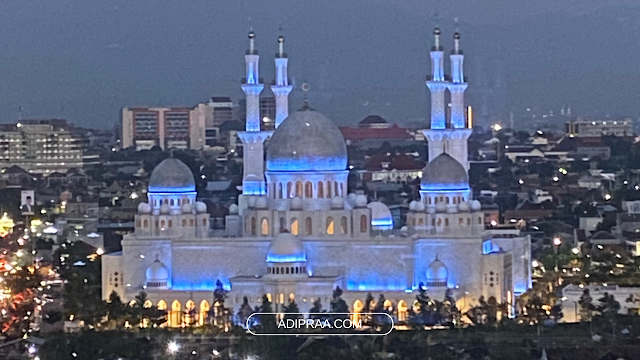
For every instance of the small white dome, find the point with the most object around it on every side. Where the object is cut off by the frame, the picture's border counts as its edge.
(464, 206)
(420, 206)
(296, 203)
(412, 205)
(164, 209)
(437, 272)
(252, 201)
(441, 207)
(381, 218)
(144, 208)
(234, 209)
(261, 202)
(286, 248)
(361, 201)
(404, 229)
(187, 208)
(351, 199)
(475, 205)
(157, 272)
(201, 207)
(337, 202)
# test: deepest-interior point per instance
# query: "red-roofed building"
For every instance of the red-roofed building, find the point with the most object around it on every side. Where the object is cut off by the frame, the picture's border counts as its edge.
(368, 137)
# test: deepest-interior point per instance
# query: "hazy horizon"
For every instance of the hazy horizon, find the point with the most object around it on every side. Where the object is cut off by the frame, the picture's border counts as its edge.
(85, 60)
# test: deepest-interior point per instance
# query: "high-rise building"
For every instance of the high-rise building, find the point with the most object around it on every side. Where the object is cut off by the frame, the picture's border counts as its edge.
(43, 146)
(167, 127)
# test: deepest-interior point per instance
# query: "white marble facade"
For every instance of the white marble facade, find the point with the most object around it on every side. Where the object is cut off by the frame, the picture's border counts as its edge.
(308, 234)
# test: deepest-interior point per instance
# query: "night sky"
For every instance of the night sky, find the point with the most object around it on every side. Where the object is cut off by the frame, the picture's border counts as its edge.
(83, 59)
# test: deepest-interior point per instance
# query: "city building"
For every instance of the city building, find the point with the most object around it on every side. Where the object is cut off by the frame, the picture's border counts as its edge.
(166, 127)
(583, 128)
(298, 232)
(400, 168)
(374, 131)
(44, 146)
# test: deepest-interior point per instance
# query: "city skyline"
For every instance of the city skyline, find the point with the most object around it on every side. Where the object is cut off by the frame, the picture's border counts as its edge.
(547, 59)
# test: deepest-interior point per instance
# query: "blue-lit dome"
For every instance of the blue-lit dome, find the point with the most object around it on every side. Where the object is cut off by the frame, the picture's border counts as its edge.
(286, 248)
(307, 141)
(157, 272)
(171, 176)
(381, 218)
(444, 173)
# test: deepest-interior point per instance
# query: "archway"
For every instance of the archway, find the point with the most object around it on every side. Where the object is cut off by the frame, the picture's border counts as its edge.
(204, 312)
(175, 318)
(402, 310)
(357, 309)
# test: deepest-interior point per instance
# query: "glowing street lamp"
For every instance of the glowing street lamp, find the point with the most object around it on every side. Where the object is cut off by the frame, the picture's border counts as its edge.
(557, 241)
(173, 347)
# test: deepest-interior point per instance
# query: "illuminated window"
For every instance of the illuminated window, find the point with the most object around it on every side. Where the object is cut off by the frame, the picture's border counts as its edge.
(363, 223)
(279, 190)
(343, 225)
(307, 226)
(329, 225)
(294, 226)
(308, 190)
(264, 226)
(289, 189)
(299, 189)
(320, 190)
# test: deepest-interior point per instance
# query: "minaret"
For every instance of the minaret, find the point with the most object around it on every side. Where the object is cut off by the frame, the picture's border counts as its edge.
(447, 136)
(253, 139)
(281, 87)
(436, 84)
(458, 85)
(457, 143)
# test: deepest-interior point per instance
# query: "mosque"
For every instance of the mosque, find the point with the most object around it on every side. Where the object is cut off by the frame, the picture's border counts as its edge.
(297, 232)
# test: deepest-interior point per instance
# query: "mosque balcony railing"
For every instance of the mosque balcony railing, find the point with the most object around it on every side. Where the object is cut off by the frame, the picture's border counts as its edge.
(244, 81)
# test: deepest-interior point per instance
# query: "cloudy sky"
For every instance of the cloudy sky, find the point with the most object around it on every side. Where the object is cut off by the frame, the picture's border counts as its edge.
(84, 60)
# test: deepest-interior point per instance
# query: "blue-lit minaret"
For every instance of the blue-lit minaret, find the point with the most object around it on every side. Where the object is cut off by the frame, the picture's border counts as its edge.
(281, 87)
(436, 83)
(253, 139)
(447, 135)
(458, 85)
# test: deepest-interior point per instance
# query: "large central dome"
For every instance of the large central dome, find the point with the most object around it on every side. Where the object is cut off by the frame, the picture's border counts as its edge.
(307, 141)
(171, 176)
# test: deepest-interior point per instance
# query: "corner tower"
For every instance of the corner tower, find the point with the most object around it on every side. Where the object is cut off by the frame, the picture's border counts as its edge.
(252, 138)
(447, 135)
(281, 87)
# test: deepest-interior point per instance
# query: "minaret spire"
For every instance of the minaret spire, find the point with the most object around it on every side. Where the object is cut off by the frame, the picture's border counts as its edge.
(253, 182)
(458, 85)
(436, 83)
(281, 87)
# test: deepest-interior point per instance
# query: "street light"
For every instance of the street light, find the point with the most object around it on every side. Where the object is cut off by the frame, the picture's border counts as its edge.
(173, 347)
(557, 241)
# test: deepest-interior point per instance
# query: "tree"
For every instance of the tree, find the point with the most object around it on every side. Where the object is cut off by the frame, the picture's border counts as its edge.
(115, 310)
(586, 306)
(316, 310)
(292, 311)
(338, 305)
(219, 312)
(378, 319)
(244, 312)
(609, 306)
(539, 304)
